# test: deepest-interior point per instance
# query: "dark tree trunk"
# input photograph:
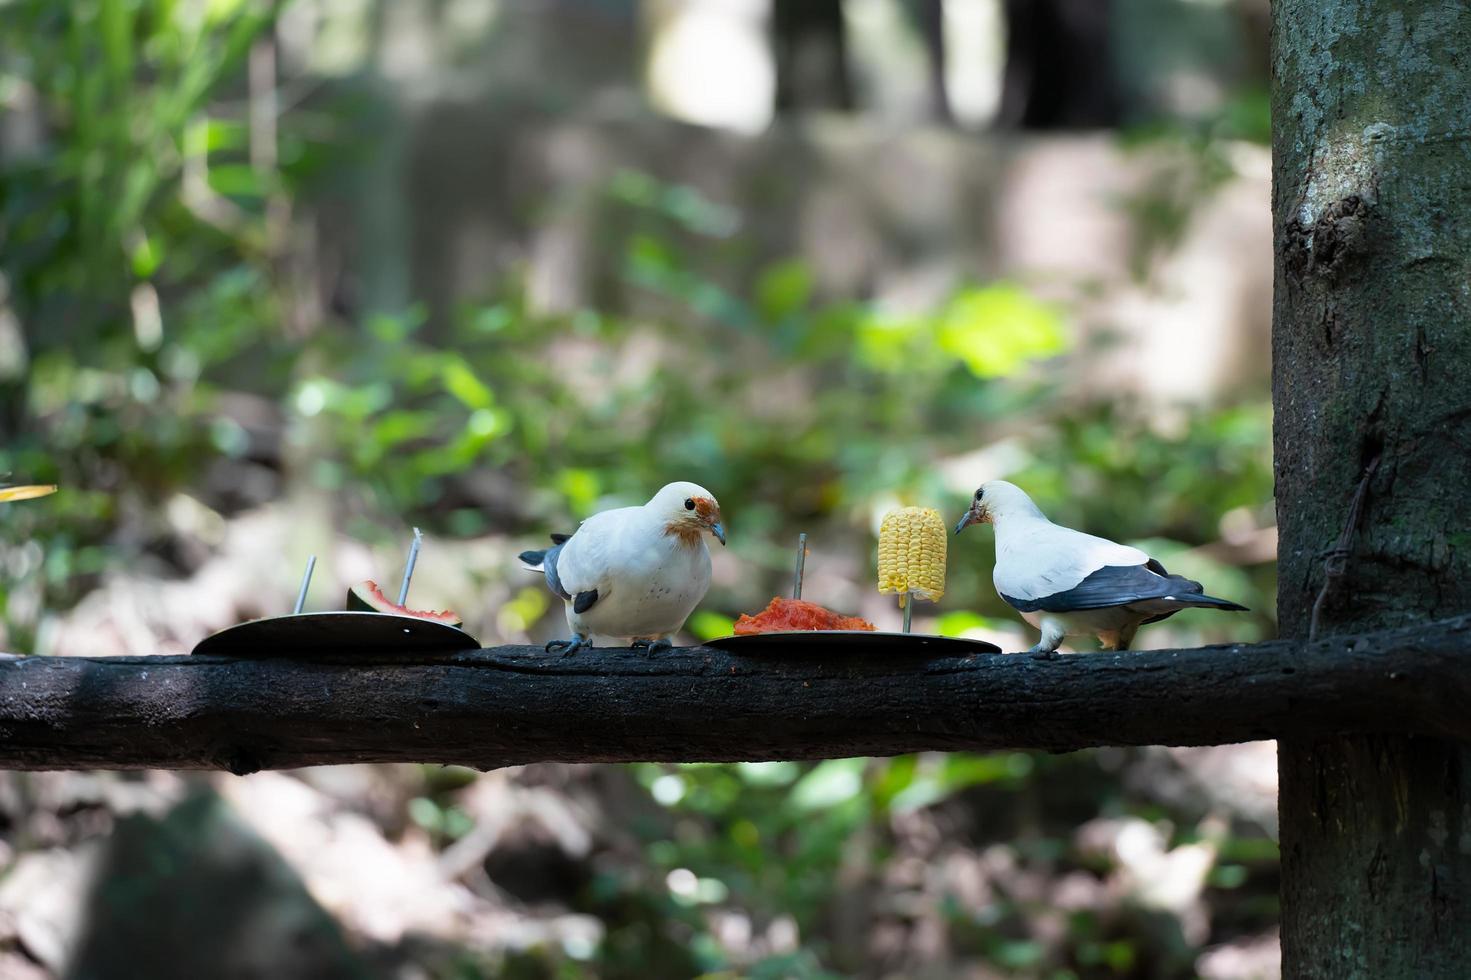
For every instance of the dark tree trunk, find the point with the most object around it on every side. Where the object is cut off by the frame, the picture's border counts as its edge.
(811, 56)
(1372, 385)
(1059, 69)
(931, 16)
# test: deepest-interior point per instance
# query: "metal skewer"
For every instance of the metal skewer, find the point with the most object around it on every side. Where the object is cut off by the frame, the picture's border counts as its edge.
(801, 565)
(403, 590)
(306, 580)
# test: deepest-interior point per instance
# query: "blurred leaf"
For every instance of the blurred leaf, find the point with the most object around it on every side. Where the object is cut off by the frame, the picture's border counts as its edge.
(402, 425)
(581, 487)
(768, 773)
(651, 258)
(1017, 954)
(526, 607)
(634, 187)
(707, 625)
(783, 289)
(397, 328)
(832, 782)
(426, 813)
(236, 180)
(145, 257)
(220, 135)
(460, 381)
(1248, 116)
(960, 622)
(996, 329)
(885, 342)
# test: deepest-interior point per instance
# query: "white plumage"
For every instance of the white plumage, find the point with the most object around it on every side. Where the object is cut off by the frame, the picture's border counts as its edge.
(634, 574)
(1067, 583)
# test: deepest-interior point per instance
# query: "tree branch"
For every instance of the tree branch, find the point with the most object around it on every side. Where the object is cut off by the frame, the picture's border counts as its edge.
(513, 705)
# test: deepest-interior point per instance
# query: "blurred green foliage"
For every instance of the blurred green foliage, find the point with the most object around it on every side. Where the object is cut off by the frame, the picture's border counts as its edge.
(141, 259)
(138, 268)
(1194, 159)
(797, 849)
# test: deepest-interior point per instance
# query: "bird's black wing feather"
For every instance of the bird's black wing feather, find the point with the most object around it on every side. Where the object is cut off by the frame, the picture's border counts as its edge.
(1114, 585)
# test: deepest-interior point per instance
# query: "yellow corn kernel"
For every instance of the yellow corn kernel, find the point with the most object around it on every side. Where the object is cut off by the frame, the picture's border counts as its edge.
(912, 553)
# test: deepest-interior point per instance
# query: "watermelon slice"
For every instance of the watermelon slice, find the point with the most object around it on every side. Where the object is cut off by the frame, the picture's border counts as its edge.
(368, 597)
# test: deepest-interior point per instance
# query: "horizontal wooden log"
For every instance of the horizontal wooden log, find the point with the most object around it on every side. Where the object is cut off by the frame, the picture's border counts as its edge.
(513, 705)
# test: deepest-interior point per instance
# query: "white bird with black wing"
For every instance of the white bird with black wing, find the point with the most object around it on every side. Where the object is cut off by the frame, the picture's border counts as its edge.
(633, 575)
(1067, 583)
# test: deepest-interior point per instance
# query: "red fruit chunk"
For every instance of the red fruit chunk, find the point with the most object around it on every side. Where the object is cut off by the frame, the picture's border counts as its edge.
(368, 597)
(784, 615)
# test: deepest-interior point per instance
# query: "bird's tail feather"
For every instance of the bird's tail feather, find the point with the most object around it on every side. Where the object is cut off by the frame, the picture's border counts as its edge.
(1189, 592)
(533, 559)
(1211, 602)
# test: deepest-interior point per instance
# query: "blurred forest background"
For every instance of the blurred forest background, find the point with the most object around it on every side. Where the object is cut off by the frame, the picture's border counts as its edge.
(290, 279)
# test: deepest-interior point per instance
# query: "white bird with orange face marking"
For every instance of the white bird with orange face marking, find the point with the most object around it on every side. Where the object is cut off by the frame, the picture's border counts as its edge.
(634, 574)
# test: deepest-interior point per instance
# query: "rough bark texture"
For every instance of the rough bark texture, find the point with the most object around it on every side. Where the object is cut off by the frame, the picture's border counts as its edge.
(513, 705)
(1372, 348)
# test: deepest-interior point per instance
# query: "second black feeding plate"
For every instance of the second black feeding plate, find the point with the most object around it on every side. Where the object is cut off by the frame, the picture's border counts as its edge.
(306, 634)
(838, 642)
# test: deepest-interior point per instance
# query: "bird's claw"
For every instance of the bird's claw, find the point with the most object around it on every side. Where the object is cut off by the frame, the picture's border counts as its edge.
(1043, 653)
(568, 647)
(651, 647)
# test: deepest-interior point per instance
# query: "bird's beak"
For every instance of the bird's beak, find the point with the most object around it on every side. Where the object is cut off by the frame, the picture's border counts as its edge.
(971, 517)
(718, 529)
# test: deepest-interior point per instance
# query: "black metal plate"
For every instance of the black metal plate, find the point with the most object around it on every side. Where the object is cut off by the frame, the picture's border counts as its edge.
(840, 641)
(306, 634)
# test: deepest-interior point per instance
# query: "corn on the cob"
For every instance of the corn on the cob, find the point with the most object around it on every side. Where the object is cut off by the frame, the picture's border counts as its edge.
(25, 493)
(912, 553)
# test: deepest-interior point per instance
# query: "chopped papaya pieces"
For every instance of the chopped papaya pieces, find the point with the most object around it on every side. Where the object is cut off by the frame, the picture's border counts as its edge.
(785, 615)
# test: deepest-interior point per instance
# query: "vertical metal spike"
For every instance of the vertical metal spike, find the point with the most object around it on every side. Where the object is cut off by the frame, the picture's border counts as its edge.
(403, 590)
(306, 580)
(906, 602)
(801, 565)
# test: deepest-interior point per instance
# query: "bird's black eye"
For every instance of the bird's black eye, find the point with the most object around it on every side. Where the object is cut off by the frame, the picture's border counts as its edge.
(689, 503)
(978, 494)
